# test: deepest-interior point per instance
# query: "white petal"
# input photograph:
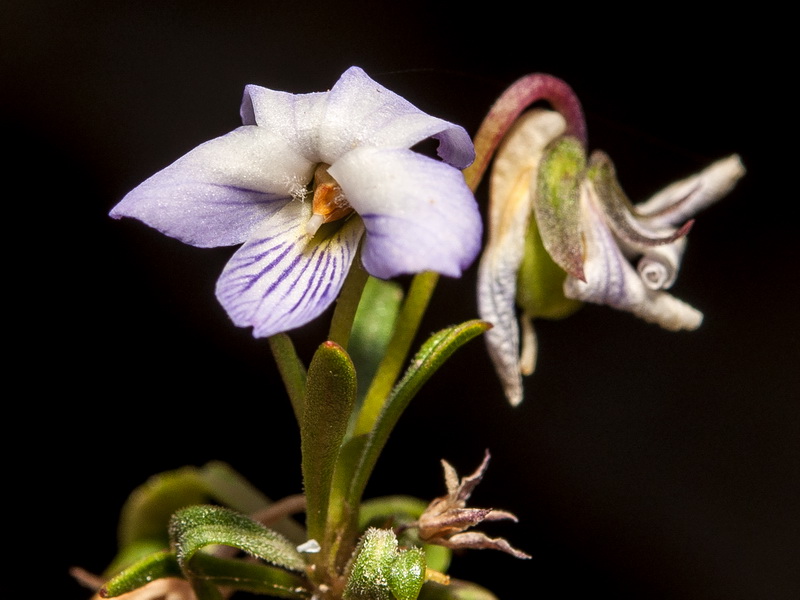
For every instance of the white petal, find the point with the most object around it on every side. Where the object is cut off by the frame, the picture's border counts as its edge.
(360, 112)
(282, 278)
(418, 212)
(220, 192)
(679, 201)
(295, 118)
(510, 207)
(611, 280)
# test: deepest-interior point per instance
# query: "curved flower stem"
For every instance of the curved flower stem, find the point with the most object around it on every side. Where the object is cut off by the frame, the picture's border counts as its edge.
(292, 371)
(519, 96)
(411, 313)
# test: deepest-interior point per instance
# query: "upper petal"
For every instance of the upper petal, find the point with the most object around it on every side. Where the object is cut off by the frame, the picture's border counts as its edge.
(282, 278)
(220, 192)
(611, 280)
(418, 212)
(360, 111)
(294, 118)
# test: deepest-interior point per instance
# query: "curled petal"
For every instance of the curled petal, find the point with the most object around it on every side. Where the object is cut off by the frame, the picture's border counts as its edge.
(282, 278)
(611, 280)
(360, 112)
(418, 212)
(220, 192)
(635, 234)
(659, 266)
(678, 202)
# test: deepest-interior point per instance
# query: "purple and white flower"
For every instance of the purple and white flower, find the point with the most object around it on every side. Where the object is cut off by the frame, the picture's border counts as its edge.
(301, 183)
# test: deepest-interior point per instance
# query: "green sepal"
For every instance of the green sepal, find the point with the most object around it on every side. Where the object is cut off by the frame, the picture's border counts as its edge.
(154, 566)
(407, 574)
(373, 328)
(196, 527)
(540, 281)
(557, 203)
(402, 512)
(457, 589)
(434, 352)
(330, 397)
(380, 571)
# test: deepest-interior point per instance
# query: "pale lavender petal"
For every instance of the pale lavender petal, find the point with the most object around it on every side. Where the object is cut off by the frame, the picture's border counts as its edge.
(220, 192)
(362, 112)
(295, 118)
(419, 213)
(680, 201)
(282, 278)
(611, 280)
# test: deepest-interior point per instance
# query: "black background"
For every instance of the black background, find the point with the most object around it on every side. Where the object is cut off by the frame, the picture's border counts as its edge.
(642, 464)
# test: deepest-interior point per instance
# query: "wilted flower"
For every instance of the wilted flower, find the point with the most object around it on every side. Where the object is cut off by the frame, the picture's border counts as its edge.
(301, 182)
(562, 230)
(445, 519)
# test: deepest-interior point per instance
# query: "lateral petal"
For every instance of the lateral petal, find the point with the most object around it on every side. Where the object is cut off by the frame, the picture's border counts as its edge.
(418, 212)
(220, 192)
(282, 278)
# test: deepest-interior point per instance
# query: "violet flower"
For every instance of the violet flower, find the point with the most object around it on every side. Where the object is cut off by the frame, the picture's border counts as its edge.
(562, 231)
(301, 183)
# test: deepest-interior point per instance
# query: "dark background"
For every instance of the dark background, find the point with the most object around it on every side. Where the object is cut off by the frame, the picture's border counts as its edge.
(642, 464)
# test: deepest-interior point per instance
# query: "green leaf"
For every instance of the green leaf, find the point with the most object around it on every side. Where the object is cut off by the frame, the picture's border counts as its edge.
(146, 513)
(155, 566)
(230, 488)
(439, 347)
(195, 527)
(330, 397)
(557, 203)
(407, 325)
(373, 328)
(249, 577)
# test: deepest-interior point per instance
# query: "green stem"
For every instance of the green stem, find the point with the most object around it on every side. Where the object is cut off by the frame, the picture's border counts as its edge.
(408, 321)
(347, 303)
(292, 371)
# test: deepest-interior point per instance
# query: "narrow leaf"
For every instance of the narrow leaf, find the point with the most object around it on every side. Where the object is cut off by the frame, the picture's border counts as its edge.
(195, 527)
(455, 590)
(249, 577)
(373, 327)
(439, 347)
(330, 397)
(147, 569)
(230, 488)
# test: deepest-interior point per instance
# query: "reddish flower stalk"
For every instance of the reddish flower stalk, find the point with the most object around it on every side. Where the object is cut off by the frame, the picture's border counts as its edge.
(519, 96)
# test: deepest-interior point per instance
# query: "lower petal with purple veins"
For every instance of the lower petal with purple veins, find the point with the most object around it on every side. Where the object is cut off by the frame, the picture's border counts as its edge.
(282, 278)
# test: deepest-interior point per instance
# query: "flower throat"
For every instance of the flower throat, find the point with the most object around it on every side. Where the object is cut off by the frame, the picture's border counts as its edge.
(329, 202)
